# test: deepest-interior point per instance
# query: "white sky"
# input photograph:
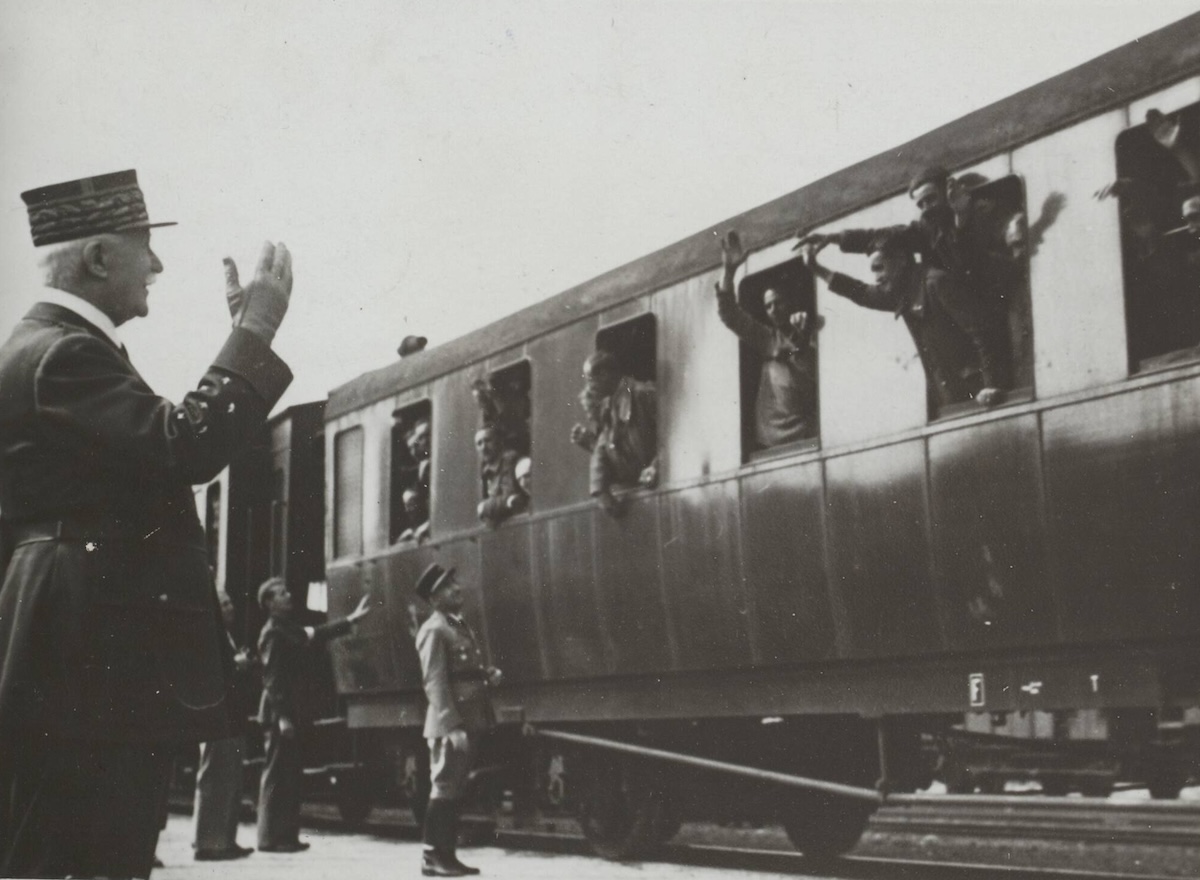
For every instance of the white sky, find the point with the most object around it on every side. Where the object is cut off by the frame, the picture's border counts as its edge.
(435, 166)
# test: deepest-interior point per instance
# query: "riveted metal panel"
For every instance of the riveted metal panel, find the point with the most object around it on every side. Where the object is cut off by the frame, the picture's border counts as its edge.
(629, 582)
(879, 551)
(1123, 491)
(783, 551)
(576, 636)
(508, 602)
(989, 536)
(560, 468)
(702, 573)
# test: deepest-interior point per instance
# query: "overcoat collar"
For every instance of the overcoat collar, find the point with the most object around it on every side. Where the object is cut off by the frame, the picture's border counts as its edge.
(57, 314)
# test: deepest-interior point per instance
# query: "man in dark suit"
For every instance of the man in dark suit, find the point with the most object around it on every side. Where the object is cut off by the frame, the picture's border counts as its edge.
(111, 646)
(460, 712)
(281, 646)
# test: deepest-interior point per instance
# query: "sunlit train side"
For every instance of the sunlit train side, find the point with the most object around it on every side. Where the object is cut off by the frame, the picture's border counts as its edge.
(778, 609)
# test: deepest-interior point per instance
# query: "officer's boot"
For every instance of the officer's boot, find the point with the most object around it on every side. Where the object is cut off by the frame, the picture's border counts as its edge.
(452, 838)
(438, 858)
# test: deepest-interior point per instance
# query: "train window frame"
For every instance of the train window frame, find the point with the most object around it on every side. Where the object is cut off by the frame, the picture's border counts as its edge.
(1153, 188)
(793, 275)
(355, 545)
(1019, 311)
(403, 473)
(515, 437)
(634, 341)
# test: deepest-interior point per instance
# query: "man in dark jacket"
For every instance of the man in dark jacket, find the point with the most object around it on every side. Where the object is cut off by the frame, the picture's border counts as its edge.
(785, 407)
(281, 646)
(110, 638)
(460, 711)
(945, 323)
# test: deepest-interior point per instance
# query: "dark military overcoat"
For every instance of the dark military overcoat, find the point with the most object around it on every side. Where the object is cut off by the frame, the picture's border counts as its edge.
(109, 628)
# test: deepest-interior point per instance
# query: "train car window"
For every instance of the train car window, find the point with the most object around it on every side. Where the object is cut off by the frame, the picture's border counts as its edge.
(348, 492)
(620, 403)
(408, 498)
(777, 323)
(998, 206)
(1158, 193)
(502, 441)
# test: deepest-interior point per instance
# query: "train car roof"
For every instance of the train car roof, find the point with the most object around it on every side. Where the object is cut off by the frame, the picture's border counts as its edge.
(1117, 77)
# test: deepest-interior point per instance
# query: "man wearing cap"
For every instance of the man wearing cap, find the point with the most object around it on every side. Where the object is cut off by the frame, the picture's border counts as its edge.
(460, 711)
(110, 634)
(944, 322)
(281, 646)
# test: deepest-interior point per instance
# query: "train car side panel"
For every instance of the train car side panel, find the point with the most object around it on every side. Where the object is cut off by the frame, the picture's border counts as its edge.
(560, 468)
(783, 556)
(1078, 305)
(988, 536)
(508, 603)
(879, 551)
(578, 642)
(871, 382)
(455, 487)
(699, 420)
(629, 582)
(1124, 495)
(708, 604)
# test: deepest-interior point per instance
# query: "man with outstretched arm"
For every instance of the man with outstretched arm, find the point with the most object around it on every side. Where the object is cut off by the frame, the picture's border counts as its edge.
(111, 643)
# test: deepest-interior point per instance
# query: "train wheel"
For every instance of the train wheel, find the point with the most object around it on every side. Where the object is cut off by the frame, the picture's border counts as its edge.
(1165, 785)
(823, 826)
(1100, 787)
(621, 809)
(352, 795)
(1055, 786)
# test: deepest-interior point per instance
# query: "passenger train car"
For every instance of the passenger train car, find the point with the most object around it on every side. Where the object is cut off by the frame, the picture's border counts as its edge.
(810, 611)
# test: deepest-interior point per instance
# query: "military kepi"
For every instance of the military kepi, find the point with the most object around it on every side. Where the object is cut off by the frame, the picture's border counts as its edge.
(431, 579)
(88, 206)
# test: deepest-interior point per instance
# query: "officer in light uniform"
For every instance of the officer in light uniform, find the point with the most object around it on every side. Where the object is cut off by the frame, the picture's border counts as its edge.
(460, 711)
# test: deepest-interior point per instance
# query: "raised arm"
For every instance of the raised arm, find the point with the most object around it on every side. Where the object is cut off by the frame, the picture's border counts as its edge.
(755, 334)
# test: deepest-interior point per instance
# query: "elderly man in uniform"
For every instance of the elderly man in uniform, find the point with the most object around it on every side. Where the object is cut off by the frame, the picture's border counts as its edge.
(281, 645)
(110, 635)
(460, 712)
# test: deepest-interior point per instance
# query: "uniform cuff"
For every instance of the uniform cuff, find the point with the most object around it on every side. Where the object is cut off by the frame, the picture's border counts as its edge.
(246, 355)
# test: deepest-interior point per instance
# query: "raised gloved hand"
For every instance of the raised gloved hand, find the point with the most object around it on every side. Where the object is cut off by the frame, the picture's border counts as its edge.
(261, 305)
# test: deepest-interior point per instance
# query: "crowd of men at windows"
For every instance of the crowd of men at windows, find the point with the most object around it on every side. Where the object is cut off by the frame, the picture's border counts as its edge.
(957, 275)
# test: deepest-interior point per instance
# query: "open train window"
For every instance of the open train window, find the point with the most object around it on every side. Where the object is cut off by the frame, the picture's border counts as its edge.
(408, 498)
(502, 441)
(1158, 171)
(622, 436)
(348, 492)
(775, 317)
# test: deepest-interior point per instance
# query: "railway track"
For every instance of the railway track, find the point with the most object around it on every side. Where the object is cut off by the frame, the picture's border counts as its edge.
(1155, 824)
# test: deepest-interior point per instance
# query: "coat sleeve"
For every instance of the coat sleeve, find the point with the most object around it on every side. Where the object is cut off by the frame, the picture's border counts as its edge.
(435, 672)
(966, 311)
(870, 296)
(87, 390)
(860, 241)
(327, 632)
(758, 336)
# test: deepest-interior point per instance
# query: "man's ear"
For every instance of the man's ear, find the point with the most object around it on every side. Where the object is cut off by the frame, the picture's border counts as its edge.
(95, 258)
